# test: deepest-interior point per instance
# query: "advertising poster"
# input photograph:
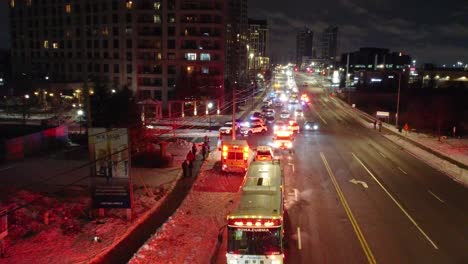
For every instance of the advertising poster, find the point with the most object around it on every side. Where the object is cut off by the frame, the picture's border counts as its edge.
(109, 149)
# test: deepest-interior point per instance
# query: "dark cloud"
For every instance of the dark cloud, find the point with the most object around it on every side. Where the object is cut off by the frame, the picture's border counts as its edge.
(432, 31)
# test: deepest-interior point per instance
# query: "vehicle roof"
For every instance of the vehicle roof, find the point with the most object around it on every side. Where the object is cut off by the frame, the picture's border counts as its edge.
(261, 191)
(239, 142)
(263, 148)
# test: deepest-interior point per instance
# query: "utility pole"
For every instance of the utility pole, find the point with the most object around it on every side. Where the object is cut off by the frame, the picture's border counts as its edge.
(233, 129)
(398, 101)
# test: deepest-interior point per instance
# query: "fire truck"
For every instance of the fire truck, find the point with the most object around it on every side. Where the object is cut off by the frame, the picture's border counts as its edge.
(235, 155)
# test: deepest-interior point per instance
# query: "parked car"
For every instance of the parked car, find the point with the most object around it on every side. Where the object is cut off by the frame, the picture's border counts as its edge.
(254, 129)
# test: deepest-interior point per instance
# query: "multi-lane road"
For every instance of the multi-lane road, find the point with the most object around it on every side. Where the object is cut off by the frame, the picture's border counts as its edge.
(352, 196)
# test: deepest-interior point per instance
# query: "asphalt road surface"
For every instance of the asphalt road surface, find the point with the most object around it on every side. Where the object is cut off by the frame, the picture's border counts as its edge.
(352, 196)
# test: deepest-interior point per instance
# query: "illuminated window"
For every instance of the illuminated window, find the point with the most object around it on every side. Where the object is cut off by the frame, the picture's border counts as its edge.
(46, 44)
(28, 2)
(68, 8)
(12, 3)
(205, 57)
(158, 56)
(157, 5)
(55, 45)
(156, 19)
(205, 70)
(191, 56)
(129, 4)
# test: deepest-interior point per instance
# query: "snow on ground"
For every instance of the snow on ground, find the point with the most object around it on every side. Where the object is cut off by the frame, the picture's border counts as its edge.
(191, 234)
(68, 236)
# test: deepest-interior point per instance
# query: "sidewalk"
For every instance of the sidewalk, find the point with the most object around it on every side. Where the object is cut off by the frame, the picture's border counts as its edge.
(191, 234)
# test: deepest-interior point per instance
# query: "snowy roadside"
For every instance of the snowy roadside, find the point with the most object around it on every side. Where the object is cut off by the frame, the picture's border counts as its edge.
(69, 234)
(193, 230)
(456, 149)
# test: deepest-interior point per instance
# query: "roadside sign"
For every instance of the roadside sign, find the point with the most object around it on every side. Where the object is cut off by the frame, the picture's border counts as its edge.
(382, 114)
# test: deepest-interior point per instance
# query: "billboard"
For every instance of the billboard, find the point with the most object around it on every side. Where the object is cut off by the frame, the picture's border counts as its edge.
(111, 182)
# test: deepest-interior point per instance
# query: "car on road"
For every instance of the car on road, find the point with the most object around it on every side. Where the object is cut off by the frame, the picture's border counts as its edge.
(280, 126)
(269, 112)
(254, 129)
(278, 104)
(285, 114)
(293, 126)
(283, 140)
(310, 126)
(270, 119)
(258, 115)
(225, 130)
(264, 153)
(298, 113)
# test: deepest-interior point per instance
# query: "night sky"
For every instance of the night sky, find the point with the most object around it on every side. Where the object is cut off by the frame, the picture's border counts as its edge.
(430, 31)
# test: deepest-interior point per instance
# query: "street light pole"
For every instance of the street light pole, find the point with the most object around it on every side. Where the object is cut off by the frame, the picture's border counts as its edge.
(210, 105)
(398, 101)
(80, 114)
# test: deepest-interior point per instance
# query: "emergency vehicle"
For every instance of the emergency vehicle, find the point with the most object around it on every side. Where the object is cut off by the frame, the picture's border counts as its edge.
(283, 140)
(235, 155)
(255, 228)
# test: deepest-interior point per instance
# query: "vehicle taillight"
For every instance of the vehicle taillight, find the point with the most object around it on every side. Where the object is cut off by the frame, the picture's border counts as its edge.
(225, 148)
(225, 154)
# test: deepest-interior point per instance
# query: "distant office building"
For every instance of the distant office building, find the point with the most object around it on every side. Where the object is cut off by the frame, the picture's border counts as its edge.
(304, 42)
(375, 58)
(432, 76)
(327, 44)
(236, 41)
(258, 44)
(165, 49)
(5, 72)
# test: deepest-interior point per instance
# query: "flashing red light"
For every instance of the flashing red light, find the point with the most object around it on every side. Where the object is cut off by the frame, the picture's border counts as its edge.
(258, 222)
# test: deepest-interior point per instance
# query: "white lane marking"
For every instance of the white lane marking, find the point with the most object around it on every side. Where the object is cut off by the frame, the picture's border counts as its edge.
(7, 168)
(299, 242)
(381, 154)
(437, 197)
(364, 184)
(397, 203)
(296, 195)
(402, 170)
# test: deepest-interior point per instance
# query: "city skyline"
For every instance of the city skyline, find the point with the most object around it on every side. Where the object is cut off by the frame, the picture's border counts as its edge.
(440, 39)
(414, 30)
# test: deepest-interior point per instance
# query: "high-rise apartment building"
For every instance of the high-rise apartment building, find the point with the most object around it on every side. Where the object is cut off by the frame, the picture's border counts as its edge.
(327, 45)
(164, 49)
(304, 41)
(236, 40)
(259, 44)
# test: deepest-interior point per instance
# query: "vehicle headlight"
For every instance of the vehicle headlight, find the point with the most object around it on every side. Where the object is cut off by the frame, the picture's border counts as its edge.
(275, 261)
(288, 144)
(233, 261)
(308, 127)
(315, 127)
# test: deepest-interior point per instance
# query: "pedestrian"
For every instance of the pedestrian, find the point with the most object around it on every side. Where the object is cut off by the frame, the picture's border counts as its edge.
(185, 168)
(375, 124)
(194, 149)
(204, 146)
(380, 125)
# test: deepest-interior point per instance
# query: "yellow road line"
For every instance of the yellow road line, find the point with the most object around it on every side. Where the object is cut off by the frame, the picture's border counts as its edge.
(397, 203)
(354, 223)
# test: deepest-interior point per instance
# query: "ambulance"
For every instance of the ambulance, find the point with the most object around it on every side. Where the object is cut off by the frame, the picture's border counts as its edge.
(235, 155)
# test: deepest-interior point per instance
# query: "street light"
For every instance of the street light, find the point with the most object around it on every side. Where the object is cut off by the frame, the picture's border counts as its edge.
(80, 114)
(398, 101)
(210, 105)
